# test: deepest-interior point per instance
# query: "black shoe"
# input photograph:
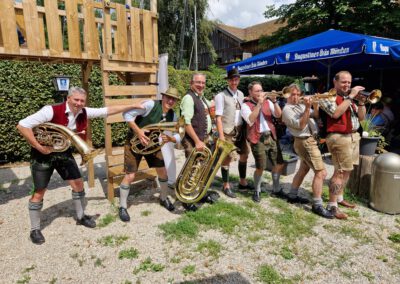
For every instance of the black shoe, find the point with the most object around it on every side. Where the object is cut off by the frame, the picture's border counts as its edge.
(228, 192)
(167, 204)
(321, 211)
(37, 237)
(256, 197)
(86, 221)
(245, 187)
(279, 194)
(297, 199)
(123, 214)
(189, 207)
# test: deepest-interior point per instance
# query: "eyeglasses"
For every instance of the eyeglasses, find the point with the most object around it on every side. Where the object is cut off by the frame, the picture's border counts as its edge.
(199, 82)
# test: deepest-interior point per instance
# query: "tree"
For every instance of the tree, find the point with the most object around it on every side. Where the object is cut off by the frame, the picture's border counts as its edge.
(309, 17)
(171, 13)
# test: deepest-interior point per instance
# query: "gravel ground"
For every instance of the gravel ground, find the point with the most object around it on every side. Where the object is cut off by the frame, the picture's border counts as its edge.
(354, 251)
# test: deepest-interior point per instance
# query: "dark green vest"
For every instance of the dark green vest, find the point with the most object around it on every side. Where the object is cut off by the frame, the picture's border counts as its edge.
(155, 116)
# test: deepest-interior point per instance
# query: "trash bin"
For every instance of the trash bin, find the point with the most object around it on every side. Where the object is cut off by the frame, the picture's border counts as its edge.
(385, 183)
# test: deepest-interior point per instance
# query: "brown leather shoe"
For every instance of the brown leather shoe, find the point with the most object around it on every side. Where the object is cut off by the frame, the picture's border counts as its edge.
(337, 213)
(347, 204)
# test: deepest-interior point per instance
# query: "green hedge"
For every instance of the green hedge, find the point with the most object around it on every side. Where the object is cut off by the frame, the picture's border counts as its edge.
(25, 87)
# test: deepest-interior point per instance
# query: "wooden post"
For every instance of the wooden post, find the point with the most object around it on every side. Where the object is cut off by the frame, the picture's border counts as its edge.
(360, 178)
(86, 69)
(153, 6)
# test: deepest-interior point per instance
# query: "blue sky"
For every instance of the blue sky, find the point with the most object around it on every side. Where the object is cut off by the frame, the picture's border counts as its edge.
(241, 13)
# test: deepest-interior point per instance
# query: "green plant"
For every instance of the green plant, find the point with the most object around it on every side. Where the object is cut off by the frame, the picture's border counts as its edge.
(267, 274)
(130, 253)
(394, 238)
(145, 213)
(212, 248)
(286, 253)
(106, 220)
(148, 265)
(189, 269)
(112, 241)
(371, 130)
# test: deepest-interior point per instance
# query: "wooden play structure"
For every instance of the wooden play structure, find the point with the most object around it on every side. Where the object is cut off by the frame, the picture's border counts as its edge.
(122, 40)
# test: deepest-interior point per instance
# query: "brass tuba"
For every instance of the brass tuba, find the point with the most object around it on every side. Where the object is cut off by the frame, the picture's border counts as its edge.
(61, 138)
(156, 130)
(199, 171)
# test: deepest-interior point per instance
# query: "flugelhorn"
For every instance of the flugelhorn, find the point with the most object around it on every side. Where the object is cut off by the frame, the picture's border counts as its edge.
(60, 138)
(156, 129)
(199, 171)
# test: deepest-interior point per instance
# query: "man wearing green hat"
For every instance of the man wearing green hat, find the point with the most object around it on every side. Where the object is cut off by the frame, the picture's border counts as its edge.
(153, 111)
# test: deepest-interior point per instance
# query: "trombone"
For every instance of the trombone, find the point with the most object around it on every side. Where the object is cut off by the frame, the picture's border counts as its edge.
(372, 97)
(284, 94)
(331, 96)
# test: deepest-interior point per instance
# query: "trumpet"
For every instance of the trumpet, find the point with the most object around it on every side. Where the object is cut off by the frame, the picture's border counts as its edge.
(284, 94)
(372, 97)
(331, 96)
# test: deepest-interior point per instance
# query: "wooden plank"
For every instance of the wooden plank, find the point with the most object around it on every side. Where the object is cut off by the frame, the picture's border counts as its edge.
(107, 45)
(129, 90)
(53, 28)
(135, 67)
(148, 37)
(74, 41)
(153, 6)
(121, 48)
(360, 178)
(91, 34)
(116, 165)
(9, 27)
(119, 170)
(115, 102)
(155, 39)
(31, 19)
(42, 32)
(137, 44)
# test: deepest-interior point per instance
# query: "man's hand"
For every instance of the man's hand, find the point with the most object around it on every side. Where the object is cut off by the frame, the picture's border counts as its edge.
(200, 146)
(307, 102)
(138, 105)
(355, 90)
(166, 138)
(141, 133)
(45, 150)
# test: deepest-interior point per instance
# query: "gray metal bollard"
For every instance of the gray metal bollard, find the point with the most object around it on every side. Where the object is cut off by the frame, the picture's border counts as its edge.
(385, 183)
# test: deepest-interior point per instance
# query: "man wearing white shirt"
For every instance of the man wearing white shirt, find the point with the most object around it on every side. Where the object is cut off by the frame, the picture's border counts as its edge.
(150, 112)
(229, 125)
(258, 112)
(74, 115)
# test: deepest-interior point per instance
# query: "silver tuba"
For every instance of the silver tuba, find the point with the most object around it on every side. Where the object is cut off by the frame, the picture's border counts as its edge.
(199, 171)
(60, 138)
(156, 130)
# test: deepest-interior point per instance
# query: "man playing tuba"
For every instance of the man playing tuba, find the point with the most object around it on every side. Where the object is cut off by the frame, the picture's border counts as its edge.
(74, 115)
(150, 112)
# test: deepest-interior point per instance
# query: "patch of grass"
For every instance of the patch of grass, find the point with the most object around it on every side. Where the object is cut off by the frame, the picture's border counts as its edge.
(222, 216)
(112, 240)
(325, 193)
(28, 269)
(53, 280)
(25, 279)
(176, 259)
(352, 213)
(106, 220)
(99, 262)
(267, 177)
(145, 213)
(148, 265)
(383, 258)
(347, 274)
(127, 282)
(368, 275)
(212, 248)
(340, 261)
(254, 237)
(355, 233)
(394, 237)
(292, 223)
(189, 269)
(347, 195)
(286, 253)
(267, 274)
(130, 253)
(81, 261)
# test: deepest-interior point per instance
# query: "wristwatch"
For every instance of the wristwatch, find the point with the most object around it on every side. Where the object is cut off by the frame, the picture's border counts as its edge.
(347, 98)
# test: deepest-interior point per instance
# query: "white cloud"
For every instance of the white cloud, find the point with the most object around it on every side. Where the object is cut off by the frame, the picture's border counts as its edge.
(239, 13)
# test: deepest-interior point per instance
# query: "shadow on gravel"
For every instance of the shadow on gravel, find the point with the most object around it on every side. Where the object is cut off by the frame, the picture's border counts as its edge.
(231, 278)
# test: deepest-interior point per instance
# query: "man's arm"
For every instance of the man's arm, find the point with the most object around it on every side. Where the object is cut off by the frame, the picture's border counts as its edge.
(340, 110)
(30, 138)
(277, 109)
(123, 108)
(139, 132)
(219, 111)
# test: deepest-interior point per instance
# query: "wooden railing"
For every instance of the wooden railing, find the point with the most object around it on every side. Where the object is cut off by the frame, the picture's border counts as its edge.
(73, 30)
